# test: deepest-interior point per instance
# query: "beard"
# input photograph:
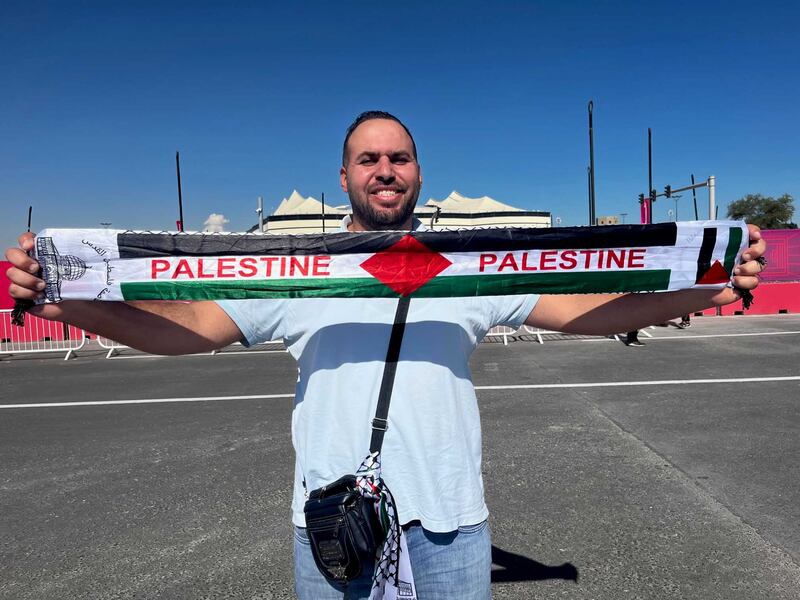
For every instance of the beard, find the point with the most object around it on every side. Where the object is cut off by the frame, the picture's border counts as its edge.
(383, 220)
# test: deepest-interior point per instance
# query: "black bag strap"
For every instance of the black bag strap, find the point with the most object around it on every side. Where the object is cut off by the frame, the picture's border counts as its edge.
(379, 423)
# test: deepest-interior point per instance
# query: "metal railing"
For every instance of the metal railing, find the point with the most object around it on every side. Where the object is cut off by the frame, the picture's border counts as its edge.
(39, 335)
(114, 347)
(506, 332)
(110, 345)
(537, 332)
(501, 331)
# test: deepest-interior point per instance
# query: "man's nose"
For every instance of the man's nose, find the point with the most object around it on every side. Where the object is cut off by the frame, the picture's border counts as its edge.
(384, 169)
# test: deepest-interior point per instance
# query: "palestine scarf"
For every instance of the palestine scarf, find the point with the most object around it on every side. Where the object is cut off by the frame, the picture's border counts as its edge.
(392, 577)
(105, 264)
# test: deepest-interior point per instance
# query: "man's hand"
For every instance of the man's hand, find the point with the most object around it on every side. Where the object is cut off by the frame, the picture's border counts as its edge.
(25, 284)
(153, 326)
(745, 275)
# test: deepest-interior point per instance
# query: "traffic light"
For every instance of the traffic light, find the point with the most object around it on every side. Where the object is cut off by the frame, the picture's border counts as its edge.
(652, 195)
(641, 198)
(668, 191)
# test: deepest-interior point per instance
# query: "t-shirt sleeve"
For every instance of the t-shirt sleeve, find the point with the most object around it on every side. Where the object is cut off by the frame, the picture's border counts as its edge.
(258, 320)
(513, 310)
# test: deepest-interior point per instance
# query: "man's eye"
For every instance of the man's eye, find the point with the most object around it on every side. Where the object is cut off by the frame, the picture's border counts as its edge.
(400, 161)
(367, 161)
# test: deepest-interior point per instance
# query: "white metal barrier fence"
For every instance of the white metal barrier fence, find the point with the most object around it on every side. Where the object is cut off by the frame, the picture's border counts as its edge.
(110, 345)
(506, 332)
(38, 335)
(501, 331)
(277, 346)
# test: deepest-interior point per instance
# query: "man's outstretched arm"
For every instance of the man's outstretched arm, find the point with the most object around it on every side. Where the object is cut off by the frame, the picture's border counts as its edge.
(155, 327)
(604, 314)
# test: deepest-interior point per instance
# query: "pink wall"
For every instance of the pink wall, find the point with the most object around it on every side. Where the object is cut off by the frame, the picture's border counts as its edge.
(769, 299)
(783, 255)
(5, 299)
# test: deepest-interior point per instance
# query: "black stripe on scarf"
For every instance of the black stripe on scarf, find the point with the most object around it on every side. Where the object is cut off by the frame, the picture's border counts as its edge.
(146, 245)
(706, 250)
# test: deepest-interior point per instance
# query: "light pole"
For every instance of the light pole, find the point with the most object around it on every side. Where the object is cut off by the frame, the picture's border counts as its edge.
(105, 225)
(623, 215)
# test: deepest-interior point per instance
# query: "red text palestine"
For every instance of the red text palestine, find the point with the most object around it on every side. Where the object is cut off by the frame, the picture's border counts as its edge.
(247, 267)
(563, 260)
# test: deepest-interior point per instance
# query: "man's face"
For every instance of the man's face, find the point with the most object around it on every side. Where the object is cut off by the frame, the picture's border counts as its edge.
(381, 176)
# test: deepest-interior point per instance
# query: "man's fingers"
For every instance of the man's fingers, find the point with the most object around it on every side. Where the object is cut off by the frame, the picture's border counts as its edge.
(746, 283)
(751, 267)
(756, 249)
(22, 261)
(23, 279)
(26, 241)
(22, 293)
(757, 244)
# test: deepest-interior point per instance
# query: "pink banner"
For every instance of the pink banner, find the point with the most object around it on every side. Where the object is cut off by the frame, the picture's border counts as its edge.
(644, 211)
(783, 255)
(5, 300)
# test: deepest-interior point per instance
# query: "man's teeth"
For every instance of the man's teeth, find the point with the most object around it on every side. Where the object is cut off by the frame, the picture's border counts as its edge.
(386, 193)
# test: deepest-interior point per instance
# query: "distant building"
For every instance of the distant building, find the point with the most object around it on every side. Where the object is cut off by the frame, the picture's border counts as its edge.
(460, 212)
(613, 220)
(297, 214)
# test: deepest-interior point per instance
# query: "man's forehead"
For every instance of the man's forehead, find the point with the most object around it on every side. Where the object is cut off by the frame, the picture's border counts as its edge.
(380, 135)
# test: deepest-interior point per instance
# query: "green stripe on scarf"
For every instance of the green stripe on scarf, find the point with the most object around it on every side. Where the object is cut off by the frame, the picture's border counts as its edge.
(734, 240)
(440, 287)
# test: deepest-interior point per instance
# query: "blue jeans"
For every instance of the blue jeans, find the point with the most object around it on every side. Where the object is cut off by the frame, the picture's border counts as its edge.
(445, 565)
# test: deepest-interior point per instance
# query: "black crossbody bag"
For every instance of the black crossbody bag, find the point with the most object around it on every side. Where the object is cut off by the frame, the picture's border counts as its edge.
(342, 526)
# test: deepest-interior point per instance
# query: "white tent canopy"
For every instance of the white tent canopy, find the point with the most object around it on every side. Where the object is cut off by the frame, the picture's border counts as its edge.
(298, 214)
(296, 204)
(458, 203)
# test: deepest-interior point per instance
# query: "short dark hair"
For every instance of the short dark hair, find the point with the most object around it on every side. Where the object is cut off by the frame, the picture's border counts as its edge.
(369, 115)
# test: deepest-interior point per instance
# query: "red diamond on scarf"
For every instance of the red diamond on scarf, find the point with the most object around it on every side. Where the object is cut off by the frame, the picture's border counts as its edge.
(716, 274)
(405, 266)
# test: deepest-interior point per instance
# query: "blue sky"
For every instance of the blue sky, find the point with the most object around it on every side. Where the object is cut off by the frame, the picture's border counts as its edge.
(98, 96)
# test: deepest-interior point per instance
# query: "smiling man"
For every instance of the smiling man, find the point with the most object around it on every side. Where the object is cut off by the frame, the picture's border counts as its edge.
(432, 450)
(380, 173)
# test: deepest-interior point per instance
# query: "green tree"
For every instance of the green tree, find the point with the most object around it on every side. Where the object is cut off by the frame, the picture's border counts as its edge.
(765, 211)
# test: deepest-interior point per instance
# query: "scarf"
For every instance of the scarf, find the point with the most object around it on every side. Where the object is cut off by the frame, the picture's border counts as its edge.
(105, 264)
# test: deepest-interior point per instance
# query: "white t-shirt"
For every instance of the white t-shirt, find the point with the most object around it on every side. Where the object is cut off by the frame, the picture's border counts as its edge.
(431, 455)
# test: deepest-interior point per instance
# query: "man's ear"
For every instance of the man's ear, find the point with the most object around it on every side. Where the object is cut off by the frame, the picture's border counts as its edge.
(343, 179)
(420, 177)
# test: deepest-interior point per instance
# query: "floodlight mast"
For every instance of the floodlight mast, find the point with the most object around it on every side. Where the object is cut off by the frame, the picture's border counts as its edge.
(650, 191)
(592, 216)
(180, 194)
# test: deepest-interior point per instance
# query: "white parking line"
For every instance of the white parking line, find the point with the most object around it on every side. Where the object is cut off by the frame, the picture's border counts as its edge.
(547, 386)
(148, 401)
(533, 386)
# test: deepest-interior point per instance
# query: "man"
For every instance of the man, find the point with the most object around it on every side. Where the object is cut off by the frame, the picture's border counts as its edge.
(432, 449)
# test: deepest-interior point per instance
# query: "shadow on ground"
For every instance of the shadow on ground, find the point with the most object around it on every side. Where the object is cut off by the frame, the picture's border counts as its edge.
(515, 567)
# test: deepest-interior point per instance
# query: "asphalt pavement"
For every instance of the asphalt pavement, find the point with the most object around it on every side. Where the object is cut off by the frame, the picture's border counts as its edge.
(664, 471)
